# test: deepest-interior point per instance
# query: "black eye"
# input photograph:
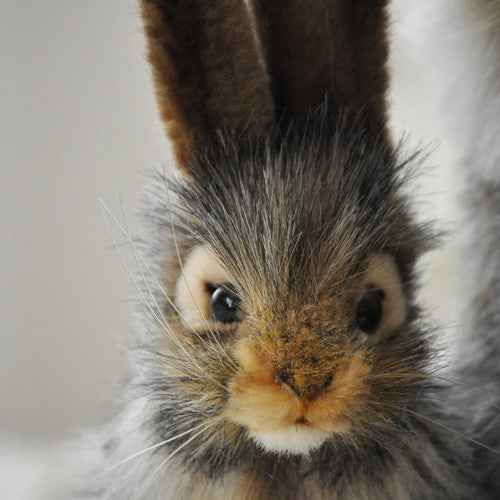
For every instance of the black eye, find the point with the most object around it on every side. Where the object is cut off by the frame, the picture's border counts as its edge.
(224, 306)
(369, 311)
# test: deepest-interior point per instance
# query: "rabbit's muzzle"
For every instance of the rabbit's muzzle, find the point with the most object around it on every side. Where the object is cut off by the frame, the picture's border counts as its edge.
(284, 387)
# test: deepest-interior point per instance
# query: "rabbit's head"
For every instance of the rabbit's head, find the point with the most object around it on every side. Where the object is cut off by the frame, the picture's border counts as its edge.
(280, 318)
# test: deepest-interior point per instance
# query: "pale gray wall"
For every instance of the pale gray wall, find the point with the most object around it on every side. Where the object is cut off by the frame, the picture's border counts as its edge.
(77, 124)
(78, 121)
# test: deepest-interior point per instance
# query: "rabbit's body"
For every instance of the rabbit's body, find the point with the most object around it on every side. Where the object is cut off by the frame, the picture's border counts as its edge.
(463, 76)
(470, 43)
(279, 352)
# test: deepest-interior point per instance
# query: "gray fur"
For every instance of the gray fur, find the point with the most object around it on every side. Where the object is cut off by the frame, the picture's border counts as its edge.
(415, 456)
(477, 142)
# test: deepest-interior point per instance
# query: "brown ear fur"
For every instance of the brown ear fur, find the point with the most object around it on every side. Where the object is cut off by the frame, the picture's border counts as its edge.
(319, 48)
(207, 71)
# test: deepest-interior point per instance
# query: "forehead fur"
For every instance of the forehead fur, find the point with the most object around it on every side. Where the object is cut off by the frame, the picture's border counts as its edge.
(301, 210)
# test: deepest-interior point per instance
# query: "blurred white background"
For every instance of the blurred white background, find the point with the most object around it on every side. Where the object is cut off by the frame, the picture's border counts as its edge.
(78, 123)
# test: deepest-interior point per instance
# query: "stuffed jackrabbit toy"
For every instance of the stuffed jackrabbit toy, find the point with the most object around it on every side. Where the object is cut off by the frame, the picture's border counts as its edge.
(280, 352)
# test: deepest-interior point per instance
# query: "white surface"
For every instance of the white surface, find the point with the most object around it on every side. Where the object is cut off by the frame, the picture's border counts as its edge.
(31, 471)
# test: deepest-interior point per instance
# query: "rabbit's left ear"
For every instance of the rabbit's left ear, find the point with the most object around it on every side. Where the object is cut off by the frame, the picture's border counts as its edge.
(317, 49)
(207, 72)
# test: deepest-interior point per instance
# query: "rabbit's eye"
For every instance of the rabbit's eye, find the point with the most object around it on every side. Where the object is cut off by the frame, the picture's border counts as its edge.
(224, 306)
(369, 311)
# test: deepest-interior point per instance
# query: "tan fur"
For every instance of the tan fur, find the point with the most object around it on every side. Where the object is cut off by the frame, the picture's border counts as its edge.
(248, 483)
(192, 296)
(263, 404)
(200, 268)
(382, 273)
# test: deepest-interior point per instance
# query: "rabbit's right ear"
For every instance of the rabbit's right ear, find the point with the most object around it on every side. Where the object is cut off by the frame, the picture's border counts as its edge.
(207, 72)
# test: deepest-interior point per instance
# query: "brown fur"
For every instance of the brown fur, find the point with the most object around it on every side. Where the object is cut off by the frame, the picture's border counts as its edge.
(274, 389)
(207, 72)
(316, 48)
(205, 58)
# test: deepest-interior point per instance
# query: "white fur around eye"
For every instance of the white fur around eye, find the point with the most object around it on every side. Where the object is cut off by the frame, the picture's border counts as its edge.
(382, 273)
(191, 295)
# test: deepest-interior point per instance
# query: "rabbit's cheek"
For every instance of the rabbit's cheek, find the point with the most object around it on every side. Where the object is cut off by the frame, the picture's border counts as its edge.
(277, 418)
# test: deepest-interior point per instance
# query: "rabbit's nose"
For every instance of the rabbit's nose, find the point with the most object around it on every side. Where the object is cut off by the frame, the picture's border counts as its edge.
(306, 386)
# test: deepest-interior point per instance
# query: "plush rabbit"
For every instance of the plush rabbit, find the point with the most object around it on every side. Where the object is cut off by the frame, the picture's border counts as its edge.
(280, 352)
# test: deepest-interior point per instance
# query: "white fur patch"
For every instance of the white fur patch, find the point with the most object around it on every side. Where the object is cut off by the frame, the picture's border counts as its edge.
(296, 440)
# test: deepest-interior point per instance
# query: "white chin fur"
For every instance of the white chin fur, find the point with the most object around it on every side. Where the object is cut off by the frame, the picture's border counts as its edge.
(296, 440)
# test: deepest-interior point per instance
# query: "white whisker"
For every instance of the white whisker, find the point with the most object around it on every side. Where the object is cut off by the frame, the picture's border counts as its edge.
(149, 448)
(212, 333)
(439, 424)
(162, 322)
(450, 380)
(163, 463)
(135, 253)
(141, 258)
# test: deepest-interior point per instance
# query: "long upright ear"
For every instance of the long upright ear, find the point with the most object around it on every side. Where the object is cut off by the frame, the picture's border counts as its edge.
(317, 49)
(207, 72)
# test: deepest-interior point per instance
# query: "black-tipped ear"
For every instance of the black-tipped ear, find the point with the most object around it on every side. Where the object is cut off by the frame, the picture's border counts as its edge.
(207, 72)
(317, 49)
